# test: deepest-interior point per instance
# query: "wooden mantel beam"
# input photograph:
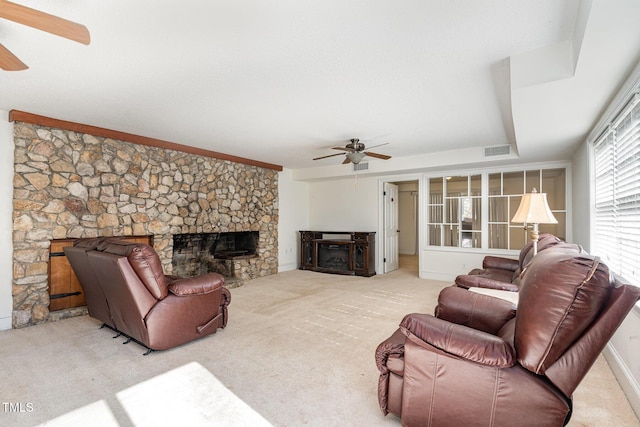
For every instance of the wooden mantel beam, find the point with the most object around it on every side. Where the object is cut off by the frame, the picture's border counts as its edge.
(34, 119)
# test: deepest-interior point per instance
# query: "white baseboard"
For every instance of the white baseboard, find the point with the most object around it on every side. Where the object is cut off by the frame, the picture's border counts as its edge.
(624, 376)
(5, 323)
(446, 277)
(287, 267)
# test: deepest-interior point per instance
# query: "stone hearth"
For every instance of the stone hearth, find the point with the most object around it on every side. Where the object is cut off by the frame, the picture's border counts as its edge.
(73, 185)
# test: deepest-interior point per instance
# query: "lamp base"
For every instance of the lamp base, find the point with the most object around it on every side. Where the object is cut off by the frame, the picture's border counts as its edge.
(535, 234)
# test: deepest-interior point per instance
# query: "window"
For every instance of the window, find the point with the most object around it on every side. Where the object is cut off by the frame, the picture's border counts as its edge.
(506, 190)
(617, 193)
(454, 211)
(455, 207)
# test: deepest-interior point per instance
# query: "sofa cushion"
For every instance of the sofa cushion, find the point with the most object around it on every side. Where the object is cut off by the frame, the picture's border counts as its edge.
(144, 261)
(562, 291)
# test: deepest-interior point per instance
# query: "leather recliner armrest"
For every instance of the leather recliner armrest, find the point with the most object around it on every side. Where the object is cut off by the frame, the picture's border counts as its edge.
(477, 311)
(499, 262)
(199, 285)
(477, 281)
(461, 341)
(392, 346)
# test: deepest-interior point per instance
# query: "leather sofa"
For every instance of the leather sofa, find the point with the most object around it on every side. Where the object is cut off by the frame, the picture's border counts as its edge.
(126, 288)
(481, 362)
(504, 273)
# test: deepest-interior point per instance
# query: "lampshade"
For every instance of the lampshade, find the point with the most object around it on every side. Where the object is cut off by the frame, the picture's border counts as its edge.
(534, 209)
(355, 156)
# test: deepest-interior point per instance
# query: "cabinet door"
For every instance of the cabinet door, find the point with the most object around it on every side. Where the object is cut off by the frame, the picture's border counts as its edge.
(363, 255)
(64, 289)
(307, 254)
(360, 259)
(307, 250)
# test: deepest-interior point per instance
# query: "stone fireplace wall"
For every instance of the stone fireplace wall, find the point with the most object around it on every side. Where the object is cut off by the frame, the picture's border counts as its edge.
(72, 185)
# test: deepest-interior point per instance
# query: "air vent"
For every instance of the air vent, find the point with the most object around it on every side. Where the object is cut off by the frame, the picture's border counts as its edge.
(497, 150)
(362, 166)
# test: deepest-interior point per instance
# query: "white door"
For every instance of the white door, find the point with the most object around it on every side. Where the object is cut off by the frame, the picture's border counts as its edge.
(391, 232)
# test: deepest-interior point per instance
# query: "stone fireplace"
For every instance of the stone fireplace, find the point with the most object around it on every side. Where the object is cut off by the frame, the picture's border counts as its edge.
(69, 184)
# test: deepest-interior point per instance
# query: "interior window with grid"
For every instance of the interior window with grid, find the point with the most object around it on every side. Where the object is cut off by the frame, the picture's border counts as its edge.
(506, 190)
(454, 211)
(617, 193)
(455, 207)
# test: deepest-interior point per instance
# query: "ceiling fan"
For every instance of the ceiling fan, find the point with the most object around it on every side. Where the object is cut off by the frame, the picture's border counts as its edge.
(41, 21)
(355, 152)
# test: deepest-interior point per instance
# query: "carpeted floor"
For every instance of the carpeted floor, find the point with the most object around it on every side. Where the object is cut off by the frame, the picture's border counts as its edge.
(298, 350)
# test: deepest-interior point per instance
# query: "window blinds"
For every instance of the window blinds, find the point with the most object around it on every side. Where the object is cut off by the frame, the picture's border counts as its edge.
(617, 193)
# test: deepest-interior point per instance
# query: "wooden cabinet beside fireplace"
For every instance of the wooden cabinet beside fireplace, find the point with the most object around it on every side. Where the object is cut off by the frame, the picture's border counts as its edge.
(338, 252)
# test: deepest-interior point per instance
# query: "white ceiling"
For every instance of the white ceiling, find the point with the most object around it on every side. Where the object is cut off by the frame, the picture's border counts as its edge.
(283, 81)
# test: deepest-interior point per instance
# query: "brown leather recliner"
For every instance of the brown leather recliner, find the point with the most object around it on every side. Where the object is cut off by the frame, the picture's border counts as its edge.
(126, 288)
(481, 362)
(504, 273)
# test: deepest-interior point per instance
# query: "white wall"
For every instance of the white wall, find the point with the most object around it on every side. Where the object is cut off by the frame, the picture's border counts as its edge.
(344, 205)
(6, 221)
(293, 204)
(581, 201)
(444, 264)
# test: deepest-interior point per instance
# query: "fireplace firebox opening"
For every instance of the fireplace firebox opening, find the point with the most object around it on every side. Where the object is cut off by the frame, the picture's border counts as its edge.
(334, 256)
(199, 253)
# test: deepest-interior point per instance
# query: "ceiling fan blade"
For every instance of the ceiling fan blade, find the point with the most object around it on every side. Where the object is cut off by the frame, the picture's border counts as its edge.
(10, 62)
(346, 160)
(341, 148)
(330, 155)
(379, 145)
(44, 21)
(379, 156)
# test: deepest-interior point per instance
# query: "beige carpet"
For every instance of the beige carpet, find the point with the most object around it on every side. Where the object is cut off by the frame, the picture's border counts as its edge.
(298, 350)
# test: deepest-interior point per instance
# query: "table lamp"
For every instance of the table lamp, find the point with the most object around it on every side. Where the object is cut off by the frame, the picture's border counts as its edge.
(534, 210)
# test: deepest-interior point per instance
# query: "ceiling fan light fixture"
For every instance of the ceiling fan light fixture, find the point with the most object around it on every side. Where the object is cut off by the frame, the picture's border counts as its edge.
(355, 157)
(355, 152)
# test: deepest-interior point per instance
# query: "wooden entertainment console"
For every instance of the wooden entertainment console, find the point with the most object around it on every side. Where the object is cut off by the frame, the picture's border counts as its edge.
(338, 252)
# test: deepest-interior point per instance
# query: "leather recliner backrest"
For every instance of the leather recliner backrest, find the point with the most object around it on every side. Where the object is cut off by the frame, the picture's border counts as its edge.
(129, 300)
(97, 304)
(545, 241)
(144, 261)
(523, 258)
(565, 373)
(562, 292)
